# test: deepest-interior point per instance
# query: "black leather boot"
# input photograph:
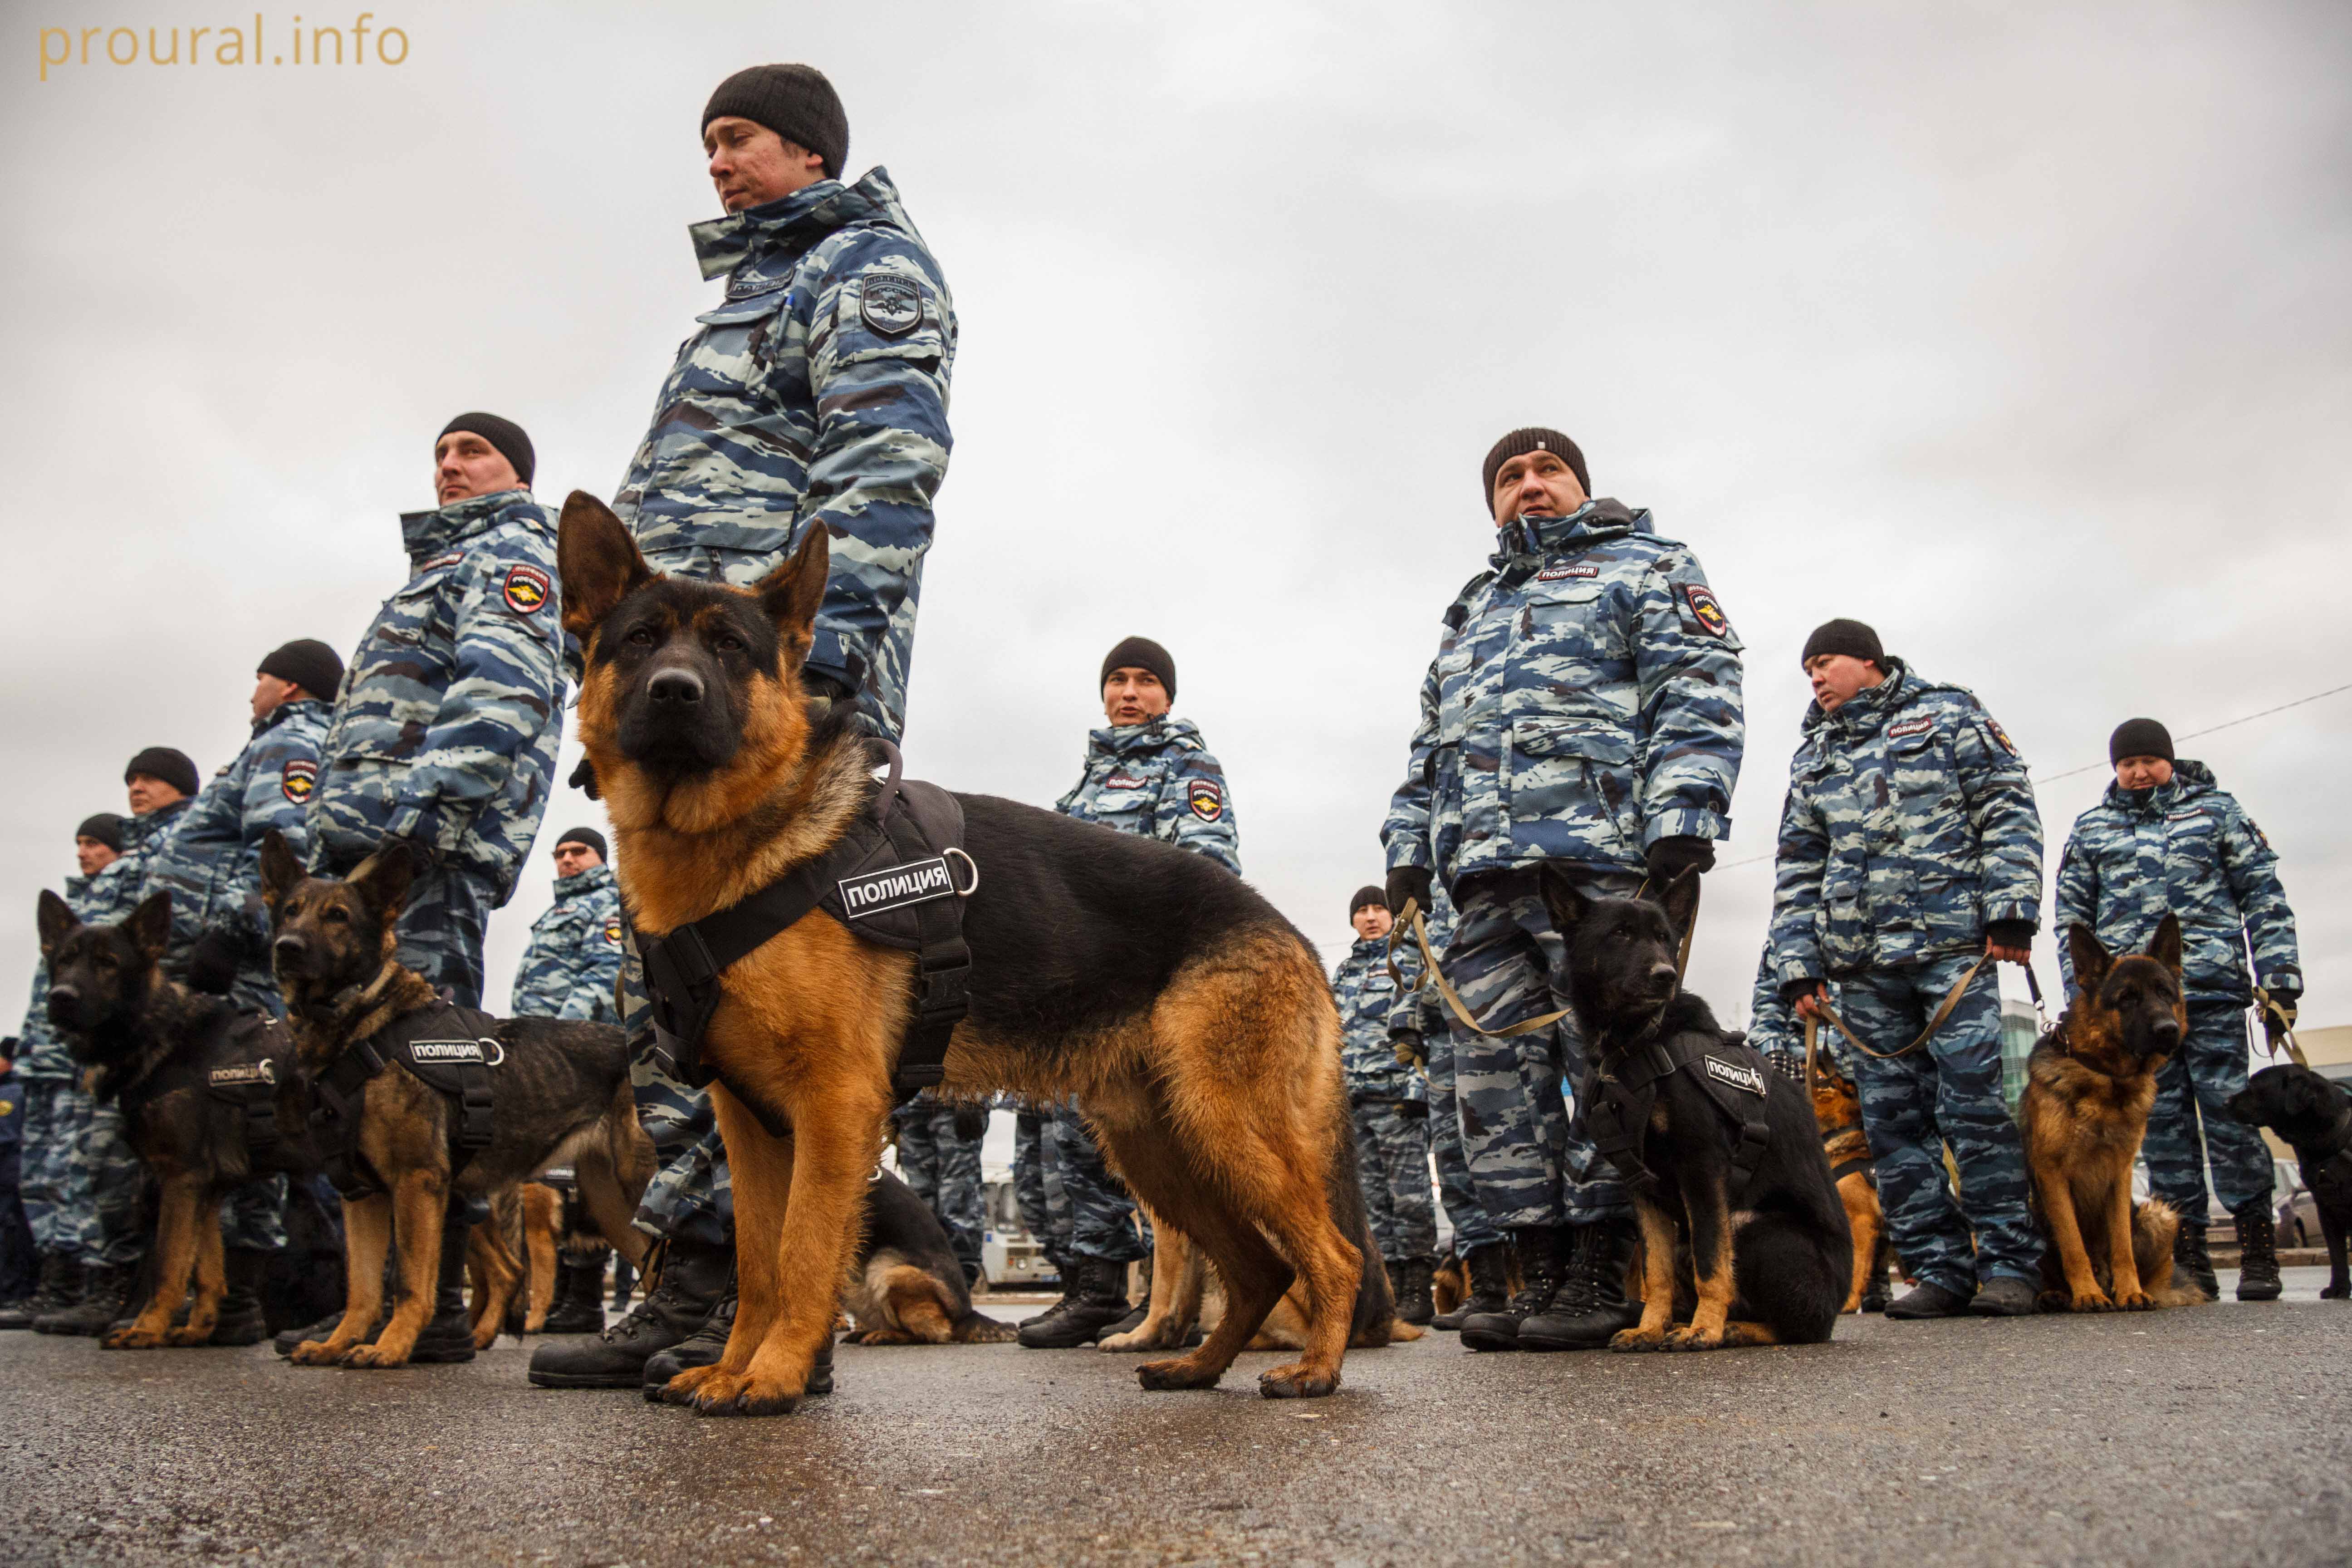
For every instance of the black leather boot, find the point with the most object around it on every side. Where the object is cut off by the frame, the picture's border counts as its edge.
(448, 1336)
(579, 1305)
(1410, 1279)
(105, 1293)
(701, 1348)
(1489, 1267)
(2191, 1257)
(1542, 1259)
(1590, 1306)
(1093, 1296)
(56, 1284)
(241, 1320)
(2258, 1266)
(691, 1277)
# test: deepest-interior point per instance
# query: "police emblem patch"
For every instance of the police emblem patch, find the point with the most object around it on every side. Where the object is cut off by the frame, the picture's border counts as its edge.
(612, 932)
(1735, 1074)
(2001, 734)
(1706, 611)
(1910, 727)
(296, 779)
(1561, 573)
(892, 307)
(526, 590)
(1125, 781)
(1207, 801)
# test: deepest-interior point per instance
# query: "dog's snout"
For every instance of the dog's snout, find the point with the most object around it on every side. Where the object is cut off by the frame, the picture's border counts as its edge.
(288, 950)
(682, 687)
(63, 999)
(1662, 974)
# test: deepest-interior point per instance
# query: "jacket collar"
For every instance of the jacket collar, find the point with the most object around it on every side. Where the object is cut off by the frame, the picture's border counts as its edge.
(1130, 740)
(427, 533)
(2189, 779)
(1524, 538)
(786, 228)
(586, 881)
(138, 830)
(1866, 709)
(284, 710)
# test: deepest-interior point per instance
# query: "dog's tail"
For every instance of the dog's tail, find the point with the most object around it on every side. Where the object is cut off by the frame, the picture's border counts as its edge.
(2155, 1224)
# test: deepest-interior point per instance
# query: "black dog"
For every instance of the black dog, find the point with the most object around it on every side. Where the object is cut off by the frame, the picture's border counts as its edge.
(1733, 1191)
(2316, 1117)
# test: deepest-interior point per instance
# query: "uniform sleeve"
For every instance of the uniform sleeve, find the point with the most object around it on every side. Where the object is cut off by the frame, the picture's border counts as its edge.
(1404, 837)
(1196, 810)
(2077, 901)
(1404, 1008)
(881, 346)
(1801, 860)
(1999, 801)
(277, 788)
(2252, 868)
(596, 961)
(505, 690)
(1687, 663)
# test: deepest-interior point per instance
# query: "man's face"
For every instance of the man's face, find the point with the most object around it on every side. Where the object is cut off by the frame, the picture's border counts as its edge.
(1836, 676)
(2143, 773)
(149, 793)
(750, 164)
(268, 693)
(94, 856)
(1133, 696)
(1538, 484)
(571, 858)
(1371, 922)
(466, 465)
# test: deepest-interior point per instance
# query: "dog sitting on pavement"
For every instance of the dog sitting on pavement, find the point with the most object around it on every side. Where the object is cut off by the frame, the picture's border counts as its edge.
(905, 1286)
(2314, 1117)
(1723, 1154)
(1837, 1110)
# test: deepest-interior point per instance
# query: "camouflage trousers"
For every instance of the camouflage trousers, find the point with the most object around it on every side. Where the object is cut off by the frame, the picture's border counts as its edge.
(1102, 1216)
(118, 1185)
(689, 1195)
(944, 1171)
(441, 931)
(1530, 1155)
(1455, 1190)
(1037, 1185)
(1393, 1168)
(52, 1180)
(254, 1216)
(1947, 1092)
(2196, 1085)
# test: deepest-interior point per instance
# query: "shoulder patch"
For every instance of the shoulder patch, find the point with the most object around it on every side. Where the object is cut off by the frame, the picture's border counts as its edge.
(891, 306)
(1993, 726)
(297, 779)
(526, 590)
(613, 930)
(1207, 801)
(1706, 611)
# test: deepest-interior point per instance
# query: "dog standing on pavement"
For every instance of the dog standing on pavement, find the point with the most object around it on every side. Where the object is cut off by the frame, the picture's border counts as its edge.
(2314, 1117)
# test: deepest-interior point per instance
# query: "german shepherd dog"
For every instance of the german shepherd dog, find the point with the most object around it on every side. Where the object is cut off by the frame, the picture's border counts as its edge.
(128, 1022)
(1180, 1285)
(1837, 1109)
(2314, 1117)
(1769, 1265)
(1190, 1019)
(905, 1286)
(2089, 1084)
(563, 1088)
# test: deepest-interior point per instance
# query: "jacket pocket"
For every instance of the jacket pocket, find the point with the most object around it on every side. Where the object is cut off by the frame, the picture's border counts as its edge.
(1578, 774)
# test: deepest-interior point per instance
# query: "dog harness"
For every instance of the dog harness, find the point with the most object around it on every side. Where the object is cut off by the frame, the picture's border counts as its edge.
(1621, 1090)
(448, 1049)
(891, 880)
(239, 1060)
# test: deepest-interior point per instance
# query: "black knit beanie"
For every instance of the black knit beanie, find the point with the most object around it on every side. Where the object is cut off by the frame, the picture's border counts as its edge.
(309, 664)
(588, 835)
(162, 762)
(2139, 738)
(106, 827)
(503, 434)
(1141, 653)
(1851, 638)
(1534, 438)
(1367, 894)
(795, 101)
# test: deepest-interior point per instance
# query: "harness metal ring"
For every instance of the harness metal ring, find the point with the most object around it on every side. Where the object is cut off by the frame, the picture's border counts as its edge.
(959, 853)
(497, 1061)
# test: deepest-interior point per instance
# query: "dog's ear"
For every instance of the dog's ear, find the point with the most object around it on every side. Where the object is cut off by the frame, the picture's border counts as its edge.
(1681, 901)
(2165, 946)
(2092, 961)
(385, 877)
(151, 924)
(1564, 900)
(598, 561)
(791, 592)
(279, 870)
(56, 920)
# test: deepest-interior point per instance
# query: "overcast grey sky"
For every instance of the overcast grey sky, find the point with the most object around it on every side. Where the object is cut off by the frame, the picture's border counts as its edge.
(2022, 332)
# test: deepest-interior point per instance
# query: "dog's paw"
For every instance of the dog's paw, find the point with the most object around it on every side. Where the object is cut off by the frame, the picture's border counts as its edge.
(1637, 1339)
(1159, 1376)
(2135, 1301)
(189, 1334)
(1691, 1339)
(2336, 1293)
(373, 1356)
(2090, 1301)
(688, 1386)
(315, 1352)
(747, 1394)
(1296, 1380)
(1144, 1338)
(131, 1340)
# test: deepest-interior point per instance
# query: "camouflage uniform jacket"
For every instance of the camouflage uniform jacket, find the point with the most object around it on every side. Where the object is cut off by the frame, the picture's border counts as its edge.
(576, 952)
(2188, 848)
(446, 726)
(1583, 704)
(212, 862)
(1909, 826)
(816, 391)
(1159, 781)
(1366, 995)
(40, 1053)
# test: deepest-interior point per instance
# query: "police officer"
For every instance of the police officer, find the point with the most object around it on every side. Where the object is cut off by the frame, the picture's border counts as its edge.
(815, 396)
(53, 1181)
(1147, 774)
(1910, 856)
(938, 1159)
(444, 733)
(1581, 718)
(1390, 1106)
(2167, 838)
(575, 956)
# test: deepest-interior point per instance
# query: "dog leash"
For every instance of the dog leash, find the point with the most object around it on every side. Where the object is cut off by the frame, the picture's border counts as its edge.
(1943, 1015)
(2270, 1008)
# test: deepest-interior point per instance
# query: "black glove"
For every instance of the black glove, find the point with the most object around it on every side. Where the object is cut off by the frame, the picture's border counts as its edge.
(584, 779)
(1413, 1109)
(213, 963)
(1792, 989)
(2009, 933)
(1670, 857)
(970, 1122)
(1408, 883)
(1410, 1051)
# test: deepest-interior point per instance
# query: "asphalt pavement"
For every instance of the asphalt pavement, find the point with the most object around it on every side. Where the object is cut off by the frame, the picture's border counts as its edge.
(2210, 1435)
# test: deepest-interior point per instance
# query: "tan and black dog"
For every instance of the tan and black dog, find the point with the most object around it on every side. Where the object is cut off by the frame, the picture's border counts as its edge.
(1181, 1286)
(905, 1286)
(1837, 1110)
(562, 1089)
(1192, 1021)
(2089, 1084)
